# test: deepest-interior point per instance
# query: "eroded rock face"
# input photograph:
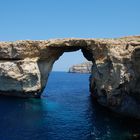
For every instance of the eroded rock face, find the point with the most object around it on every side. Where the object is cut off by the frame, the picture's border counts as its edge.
(115, 76)
(115, 80)
(18, 77)
(25, 67)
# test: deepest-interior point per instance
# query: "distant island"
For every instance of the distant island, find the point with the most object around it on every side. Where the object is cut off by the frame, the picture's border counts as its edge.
(84, 67)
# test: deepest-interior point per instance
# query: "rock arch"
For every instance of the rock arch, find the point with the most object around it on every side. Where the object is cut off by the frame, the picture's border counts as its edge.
(25, 67)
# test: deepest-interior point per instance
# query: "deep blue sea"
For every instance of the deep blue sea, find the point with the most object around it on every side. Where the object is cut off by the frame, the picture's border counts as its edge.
(66, 111)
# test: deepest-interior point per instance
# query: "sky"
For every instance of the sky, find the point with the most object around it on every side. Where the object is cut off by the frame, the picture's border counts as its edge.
(47, 19)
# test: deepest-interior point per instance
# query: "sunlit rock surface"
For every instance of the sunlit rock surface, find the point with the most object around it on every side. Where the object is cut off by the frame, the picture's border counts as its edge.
(81, 68)
(115, 75)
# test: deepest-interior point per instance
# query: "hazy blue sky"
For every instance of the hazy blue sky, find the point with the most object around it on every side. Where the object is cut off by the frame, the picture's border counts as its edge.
(45, 19)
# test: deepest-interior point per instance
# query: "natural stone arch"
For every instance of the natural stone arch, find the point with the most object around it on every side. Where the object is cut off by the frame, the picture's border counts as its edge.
(25, 67)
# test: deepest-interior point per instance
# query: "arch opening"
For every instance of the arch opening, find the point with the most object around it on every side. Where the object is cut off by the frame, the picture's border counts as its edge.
(62, 66)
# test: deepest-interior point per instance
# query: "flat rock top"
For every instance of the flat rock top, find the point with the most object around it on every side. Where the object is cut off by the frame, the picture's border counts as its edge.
(68, 41)
(27, 48)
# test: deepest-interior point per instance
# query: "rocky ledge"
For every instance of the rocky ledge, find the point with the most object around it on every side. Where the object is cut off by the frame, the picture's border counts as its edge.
(115, 74)
(81, 68)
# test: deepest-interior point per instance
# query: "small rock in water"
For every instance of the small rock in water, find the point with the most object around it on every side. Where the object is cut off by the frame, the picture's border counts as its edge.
(136, 136)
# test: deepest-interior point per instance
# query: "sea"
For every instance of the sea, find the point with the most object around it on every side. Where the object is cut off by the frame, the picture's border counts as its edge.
(66, 111)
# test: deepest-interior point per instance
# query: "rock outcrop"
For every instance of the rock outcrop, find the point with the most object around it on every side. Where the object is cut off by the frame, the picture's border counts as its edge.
(115, 75)
(81, 68)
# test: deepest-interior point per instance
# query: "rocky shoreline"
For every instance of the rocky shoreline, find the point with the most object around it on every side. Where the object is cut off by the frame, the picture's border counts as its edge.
(115, 74)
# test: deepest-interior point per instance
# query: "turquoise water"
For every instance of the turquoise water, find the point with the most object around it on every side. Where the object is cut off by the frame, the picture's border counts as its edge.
(65, 112)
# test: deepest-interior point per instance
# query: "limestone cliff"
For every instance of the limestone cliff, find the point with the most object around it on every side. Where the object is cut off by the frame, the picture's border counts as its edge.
(115, 75)
(81, 68)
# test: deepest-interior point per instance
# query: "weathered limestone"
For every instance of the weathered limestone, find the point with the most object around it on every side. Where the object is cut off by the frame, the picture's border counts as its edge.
(19, 76)
(25, 66)
(115, 76)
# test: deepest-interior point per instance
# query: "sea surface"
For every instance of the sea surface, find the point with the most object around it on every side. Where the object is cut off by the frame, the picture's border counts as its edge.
(65, 111)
